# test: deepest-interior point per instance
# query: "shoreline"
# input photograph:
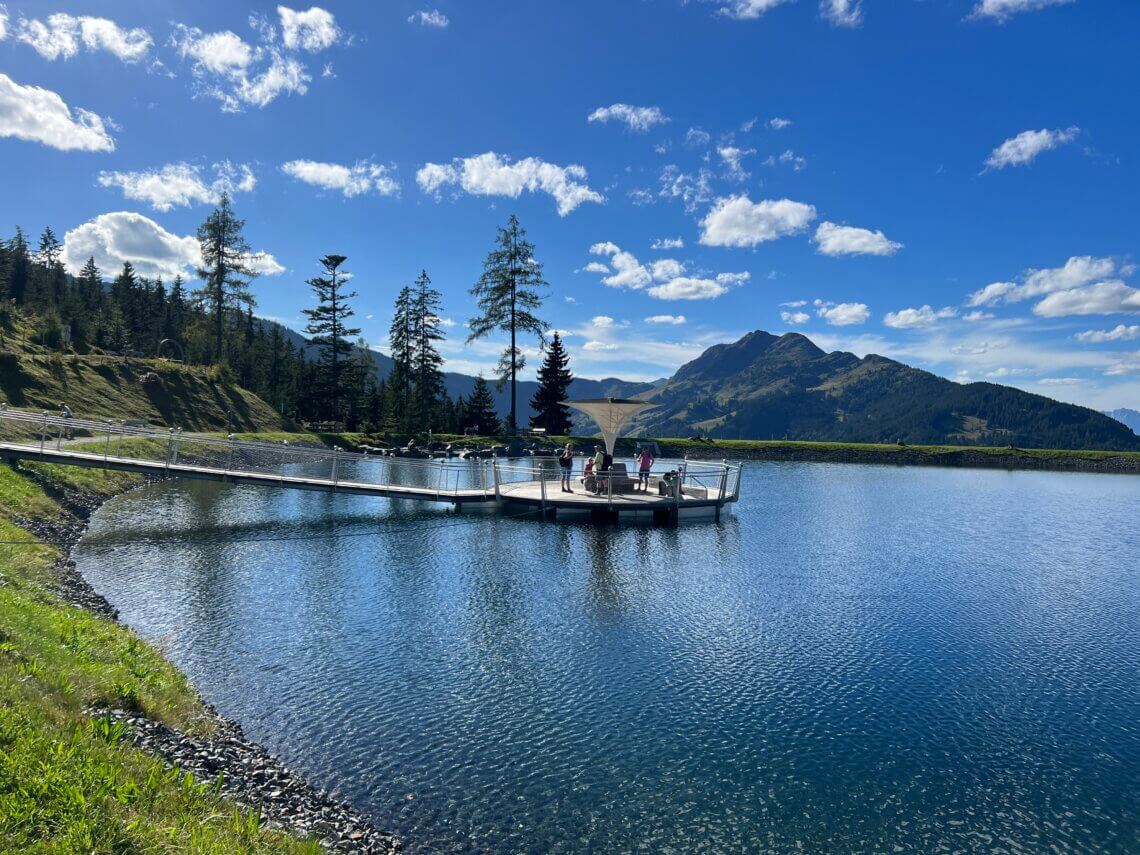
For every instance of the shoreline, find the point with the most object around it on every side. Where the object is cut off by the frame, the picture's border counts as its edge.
(954, 459)
(248, 774)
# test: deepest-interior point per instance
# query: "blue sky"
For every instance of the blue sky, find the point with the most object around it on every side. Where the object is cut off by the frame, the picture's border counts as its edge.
(951, 183)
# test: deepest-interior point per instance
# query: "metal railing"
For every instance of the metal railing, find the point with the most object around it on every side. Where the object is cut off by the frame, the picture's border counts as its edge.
(445, 479)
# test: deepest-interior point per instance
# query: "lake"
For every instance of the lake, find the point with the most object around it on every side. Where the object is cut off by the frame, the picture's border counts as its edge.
(857, 658)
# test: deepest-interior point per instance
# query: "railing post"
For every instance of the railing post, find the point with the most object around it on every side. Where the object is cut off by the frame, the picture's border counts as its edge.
(107, 447)
(739, 478)
(609, 487)
(43, 433)
(177, 443)
(230, 457)
(542, 490)
(169, 447)
(495, 473)
(336, 457)
(723, 480)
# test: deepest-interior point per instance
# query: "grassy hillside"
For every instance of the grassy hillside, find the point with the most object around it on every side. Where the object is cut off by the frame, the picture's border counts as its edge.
(159, 391)
(70, 783)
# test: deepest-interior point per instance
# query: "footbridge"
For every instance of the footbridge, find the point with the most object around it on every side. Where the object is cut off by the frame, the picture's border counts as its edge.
(131, 446)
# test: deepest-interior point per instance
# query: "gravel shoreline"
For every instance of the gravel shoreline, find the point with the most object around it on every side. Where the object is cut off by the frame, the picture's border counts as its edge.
(250, 775)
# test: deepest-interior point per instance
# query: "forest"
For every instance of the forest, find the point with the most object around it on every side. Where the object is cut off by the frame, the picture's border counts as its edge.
(326, 375)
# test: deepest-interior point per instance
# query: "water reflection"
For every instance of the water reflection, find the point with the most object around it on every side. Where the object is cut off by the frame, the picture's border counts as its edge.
(858, 659)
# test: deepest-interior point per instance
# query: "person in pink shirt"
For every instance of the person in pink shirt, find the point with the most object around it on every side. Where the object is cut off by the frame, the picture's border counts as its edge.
(644, 464)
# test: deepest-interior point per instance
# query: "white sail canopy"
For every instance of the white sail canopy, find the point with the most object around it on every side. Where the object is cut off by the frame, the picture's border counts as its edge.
(611, 414)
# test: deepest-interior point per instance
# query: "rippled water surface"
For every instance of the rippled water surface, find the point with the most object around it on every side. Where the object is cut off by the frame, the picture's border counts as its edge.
(859, 658)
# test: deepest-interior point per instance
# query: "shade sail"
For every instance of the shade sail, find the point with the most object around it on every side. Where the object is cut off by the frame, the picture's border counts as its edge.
(611, 414)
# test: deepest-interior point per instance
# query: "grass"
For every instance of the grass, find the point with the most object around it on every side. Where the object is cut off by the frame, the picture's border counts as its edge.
(69, 783)
(99, 386)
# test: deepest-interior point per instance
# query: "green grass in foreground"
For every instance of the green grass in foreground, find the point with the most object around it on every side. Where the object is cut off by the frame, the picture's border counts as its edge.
(67, 783)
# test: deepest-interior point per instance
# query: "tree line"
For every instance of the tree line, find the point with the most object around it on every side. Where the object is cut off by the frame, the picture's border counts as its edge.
(329, 376)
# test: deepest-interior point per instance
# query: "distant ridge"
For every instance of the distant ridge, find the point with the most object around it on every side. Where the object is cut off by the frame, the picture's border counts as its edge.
(1125, 416)
(775, 387)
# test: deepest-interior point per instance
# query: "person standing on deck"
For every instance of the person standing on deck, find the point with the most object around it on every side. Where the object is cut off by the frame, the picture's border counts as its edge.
(566, 464)
(599, 468)
(644, 464)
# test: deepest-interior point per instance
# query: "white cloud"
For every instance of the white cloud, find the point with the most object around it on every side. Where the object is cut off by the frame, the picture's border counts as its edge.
(832, 239)
(795, 318)
(842, 13)
(1024, 148)
(239, 74)
(180, 184)
(491, 174)
(842, 314)
(637, 119)
(429, 18)
(788, 158)
(312, 30)
(667, 268)
(795, 304)
(1077, 271)
(63, 34)
(356, 180)
(740, 222)
(732, 156)
(671, 320)
(778, 124)
(1130, 364)
(688, 288)
(1001, 10)
(668, 243)
(906, 319)
(1118, 333)
(594, 344)
(1060, 381)
(975, 316)
(1103, 298)
(122, 236)
(3, 23)
(40, 115)
(596, 267)
(697, 137)
(664, 278)
(628, 271)
(747, 10)
(693, 189)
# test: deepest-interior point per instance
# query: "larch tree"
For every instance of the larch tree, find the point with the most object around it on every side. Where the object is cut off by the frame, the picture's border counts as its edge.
(554, 379)
(426, 361)
(508, 295)
(328, 329)
(227, 268)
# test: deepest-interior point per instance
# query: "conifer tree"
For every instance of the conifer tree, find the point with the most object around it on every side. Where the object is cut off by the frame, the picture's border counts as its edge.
(19, 267)
(480, 412)
(508, 296)
(90, 285)
(554, 379)
(328, 330)
(401, 341)
(227, 268)
(426, 359)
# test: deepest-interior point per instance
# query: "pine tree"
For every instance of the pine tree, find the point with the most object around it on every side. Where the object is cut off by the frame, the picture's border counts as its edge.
(426, 360)
(227, 268)
(480, 410)
(401, 341)
(508, 295)
(554, 379)
(19, 267)
(327, 328)
(90, 285)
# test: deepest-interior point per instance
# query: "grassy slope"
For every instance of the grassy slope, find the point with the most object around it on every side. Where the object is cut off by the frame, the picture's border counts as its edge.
(96, 386)
(67, 783)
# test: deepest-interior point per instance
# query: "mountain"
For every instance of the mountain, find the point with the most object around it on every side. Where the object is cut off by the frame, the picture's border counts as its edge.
(775, 387)
(1126, 416)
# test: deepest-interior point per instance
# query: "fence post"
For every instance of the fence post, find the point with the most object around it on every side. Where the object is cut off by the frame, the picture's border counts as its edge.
(723, 480)
(609, 487)
(336, 456)
(230, 458)
(495, 473)
(43, 433)
(542, 490)
(169, 448)
(107, 447)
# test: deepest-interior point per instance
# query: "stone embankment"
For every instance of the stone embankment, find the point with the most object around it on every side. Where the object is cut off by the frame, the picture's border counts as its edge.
(249, 774)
